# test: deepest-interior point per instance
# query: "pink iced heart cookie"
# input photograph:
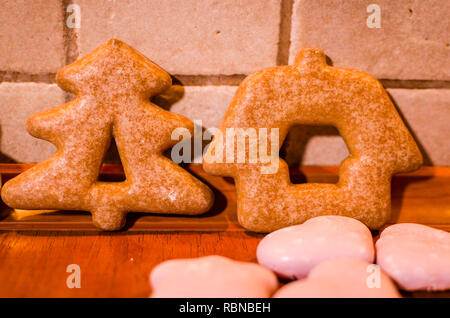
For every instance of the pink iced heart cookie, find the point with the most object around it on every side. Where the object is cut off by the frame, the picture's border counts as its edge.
(293, 251)
(342, 278)
(211, 277)
(416, 256)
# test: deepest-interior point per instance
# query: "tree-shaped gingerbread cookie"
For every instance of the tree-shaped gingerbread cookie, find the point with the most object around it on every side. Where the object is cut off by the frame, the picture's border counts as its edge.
(312, 93)
(113, 85)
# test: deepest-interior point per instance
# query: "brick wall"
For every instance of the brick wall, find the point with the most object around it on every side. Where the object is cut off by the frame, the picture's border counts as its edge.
(211, 45)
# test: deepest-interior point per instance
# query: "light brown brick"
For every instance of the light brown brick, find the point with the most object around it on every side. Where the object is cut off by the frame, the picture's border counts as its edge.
(314, 145)
(18, 101)
(188, 37)
(31, 36)
(412, 43)
(205, 103)
(427, 113)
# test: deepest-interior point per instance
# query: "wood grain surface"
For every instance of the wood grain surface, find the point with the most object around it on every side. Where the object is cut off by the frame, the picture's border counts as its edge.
(35, 249)
(33, 264)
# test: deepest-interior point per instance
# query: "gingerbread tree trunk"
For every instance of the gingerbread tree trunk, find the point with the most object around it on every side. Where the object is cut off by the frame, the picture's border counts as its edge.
(312, 93)
(113, 85)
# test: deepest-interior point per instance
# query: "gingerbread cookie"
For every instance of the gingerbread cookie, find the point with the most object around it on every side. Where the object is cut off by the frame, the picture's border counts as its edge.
(342, 278)
(211, 277)
(113, 85)
(269, 102)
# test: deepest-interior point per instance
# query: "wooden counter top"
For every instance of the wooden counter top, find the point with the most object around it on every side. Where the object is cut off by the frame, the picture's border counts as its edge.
(36, 248)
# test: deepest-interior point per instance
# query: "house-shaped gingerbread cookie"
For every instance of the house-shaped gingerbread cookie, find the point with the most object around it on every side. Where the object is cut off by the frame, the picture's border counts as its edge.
(310, 92)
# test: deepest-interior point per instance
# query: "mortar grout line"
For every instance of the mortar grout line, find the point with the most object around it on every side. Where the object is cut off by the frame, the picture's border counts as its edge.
(70, 35)
(70, 41)
(220, 80)
(414, 84)
(284, 38)
(235, 80)
(208, 80)
(17, 77)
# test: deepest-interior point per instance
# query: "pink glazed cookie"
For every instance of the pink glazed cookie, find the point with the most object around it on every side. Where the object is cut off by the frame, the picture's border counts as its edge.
(416, 256)
(342, 278)
(211, 277)
(293, 251)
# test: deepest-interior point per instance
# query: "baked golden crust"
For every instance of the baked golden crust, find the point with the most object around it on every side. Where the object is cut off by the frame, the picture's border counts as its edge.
(113, 85)
(311, 92)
